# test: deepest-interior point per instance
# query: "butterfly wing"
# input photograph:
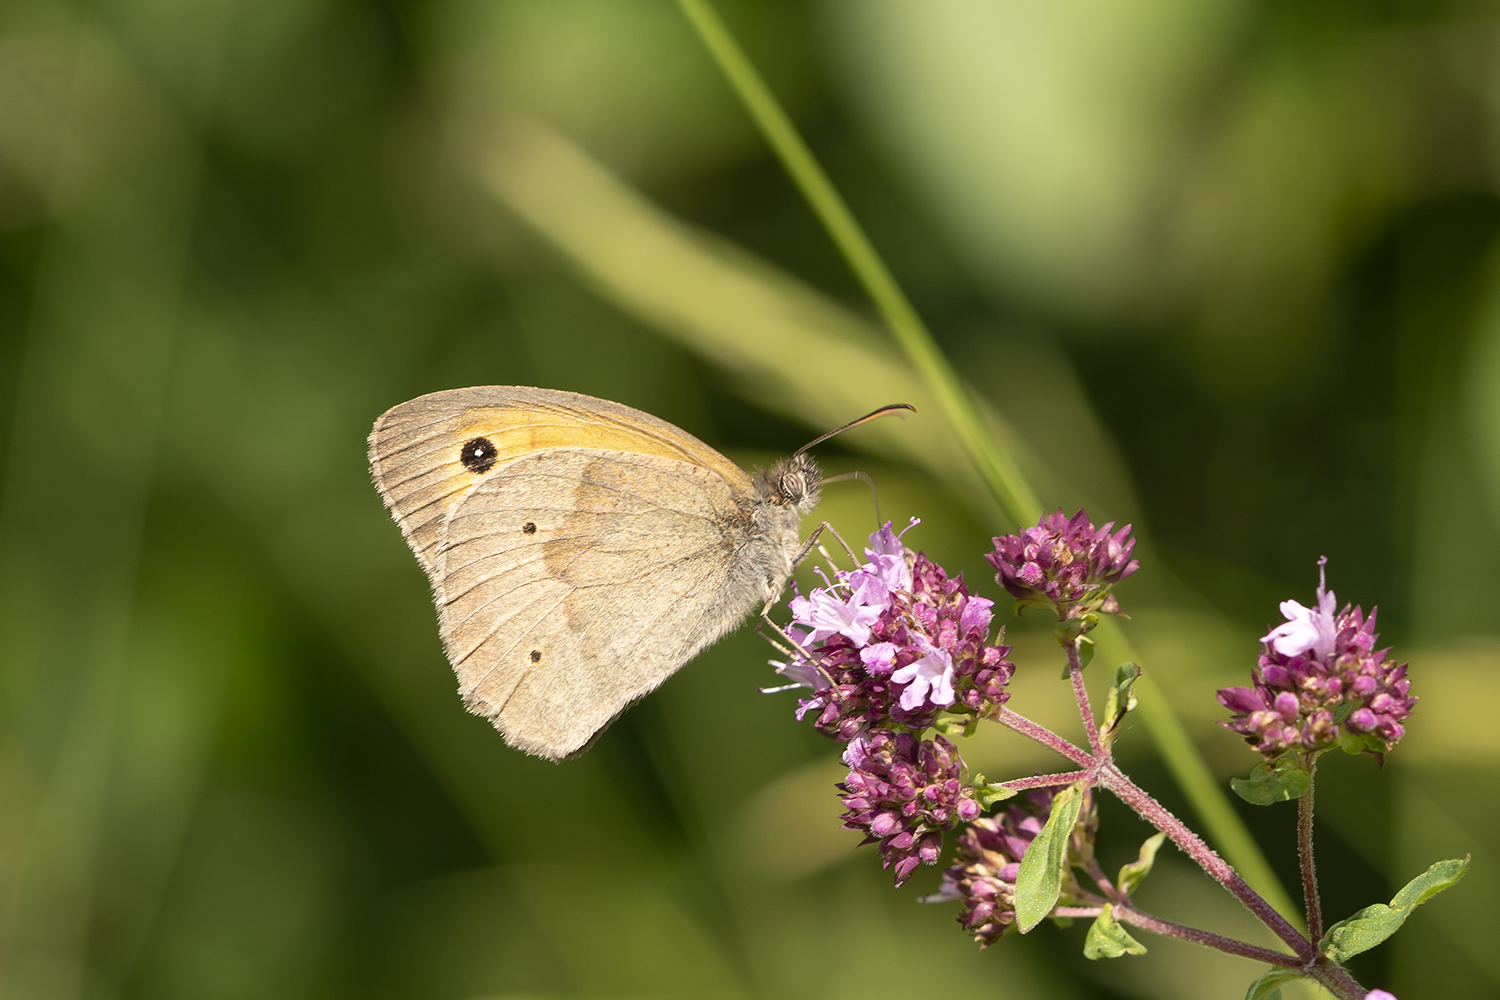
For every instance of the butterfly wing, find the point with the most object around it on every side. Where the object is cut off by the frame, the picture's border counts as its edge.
(578, 549)
(417, 448)
(577, 580)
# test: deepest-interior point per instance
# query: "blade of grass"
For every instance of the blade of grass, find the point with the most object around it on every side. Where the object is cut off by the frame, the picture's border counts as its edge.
(996, 466)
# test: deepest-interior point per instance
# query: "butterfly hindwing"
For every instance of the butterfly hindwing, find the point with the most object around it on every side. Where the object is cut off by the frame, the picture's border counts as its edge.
(574, 581)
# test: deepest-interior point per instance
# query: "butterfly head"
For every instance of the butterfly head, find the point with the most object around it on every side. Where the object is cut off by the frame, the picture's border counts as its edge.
(792, 482)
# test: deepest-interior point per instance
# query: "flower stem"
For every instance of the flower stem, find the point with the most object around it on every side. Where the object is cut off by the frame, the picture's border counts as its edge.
(1305, 854)
(1046, 738)
(1047, 780)
(1085, 710)
(1130, 915)
(1158, 816)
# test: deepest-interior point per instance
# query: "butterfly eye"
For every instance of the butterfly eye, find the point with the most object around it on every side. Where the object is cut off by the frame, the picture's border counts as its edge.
(792, 487)
(478, 455)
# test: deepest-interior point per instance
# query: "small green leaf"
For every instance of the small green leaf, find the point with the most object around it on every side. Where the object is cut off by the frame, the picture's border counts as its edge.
(1355, 744)
(1372, 925)
(1068, 629)
(1135, 873)
(1431, 882)
(1044, 866)
(1019, 606)
(1121, 697)
(988, 794)
(956, 724)
(1268, 987)
(1273, 781)
(1107, 939)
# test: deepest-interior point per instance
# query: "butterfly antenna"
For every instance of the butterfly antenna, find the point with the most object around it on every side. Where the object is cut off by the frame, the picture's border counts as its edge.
(892, 408)
(863, 477)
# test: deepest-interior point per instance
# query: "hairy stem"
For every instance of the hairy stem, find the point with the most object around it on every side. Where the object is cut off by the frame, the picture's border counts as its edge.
(1046, 738)
(1102, 881)
(1047, 780)
(1085, 710)
(1305, 854)
(1338, 980)
(1130, 915)
(1158, 816)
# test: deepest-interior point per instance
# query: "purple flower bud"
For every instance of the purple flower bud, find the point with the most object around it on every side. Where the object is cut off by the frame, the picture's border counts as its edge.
(1309, 668)
(988, 861)
(1064, 561)
(903, 793)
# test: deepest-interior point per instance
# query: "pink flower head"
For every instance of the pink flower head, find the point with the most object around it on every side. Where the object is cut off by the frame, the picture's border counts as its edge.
(1319, 679)
(903, 793)
(893, 643)
(1064, 562)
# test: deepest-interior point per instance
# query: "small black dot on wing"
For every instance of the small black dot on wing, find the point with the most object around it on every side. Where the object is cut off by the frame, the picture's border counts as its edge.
(478, 455)
(536, 656)
(529, 528)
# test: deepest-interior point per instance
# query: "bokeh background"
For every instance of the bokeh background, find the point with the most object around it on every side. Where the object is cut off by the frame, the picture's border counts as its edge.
(1223, 269)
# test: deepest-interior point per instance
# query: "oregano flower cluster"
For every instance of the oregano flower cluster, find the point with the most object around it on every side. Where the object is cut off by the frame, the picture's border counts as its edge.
(1319, 681)
(895, 656)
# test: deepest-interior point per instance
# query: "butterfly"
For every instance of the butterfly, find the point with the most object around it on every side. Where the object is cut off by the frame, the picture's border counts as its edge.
(580, 551)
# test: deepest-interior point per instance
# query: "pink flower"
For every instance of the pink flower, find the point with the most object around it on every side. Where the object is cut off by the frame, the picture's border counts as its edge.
(930, 678)
(1307, 628)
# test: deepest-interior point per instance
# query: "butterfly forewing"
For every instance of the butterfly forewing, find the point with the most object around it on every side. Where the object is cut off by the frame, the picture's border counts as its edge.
(418, 456)
(574, 581)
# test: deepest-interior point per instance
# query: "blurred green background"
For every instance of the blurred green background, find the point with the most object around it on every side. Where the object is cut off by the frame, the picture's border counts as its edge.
(1226, 270)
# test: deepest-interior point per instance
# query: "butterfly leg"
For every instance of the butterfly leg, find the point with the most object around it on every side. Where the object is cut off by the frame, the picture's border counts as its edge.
(812, 540)
(794, 649)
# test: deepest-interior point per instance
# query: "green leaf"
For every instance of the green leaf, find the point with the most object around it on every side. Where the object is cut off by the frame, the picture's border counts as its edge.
(1044, 866)
(1372, 925)
(1431, 882)
(1268, 987)
(1135, 873)
(1273, 781)
(1107, 939)
(956, 724)
(1355, 744)
(988, 794)
(1068, 629)
(1121, 698)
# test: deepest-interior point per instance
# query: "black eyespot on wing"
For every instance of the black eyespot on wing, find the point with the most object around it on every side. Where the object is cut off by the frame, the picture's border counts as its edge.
(478, 455)
(529, 528)
(536, 656)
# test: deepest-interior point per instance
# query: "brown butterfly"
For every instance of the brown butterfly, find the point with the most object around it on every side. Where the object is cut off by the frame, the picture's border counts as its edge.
(580, 551)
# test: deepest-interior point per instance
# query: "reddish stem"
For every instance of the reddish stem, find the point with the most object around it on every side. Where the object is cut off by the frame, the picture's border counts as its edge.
(1130, 915)
(1046, 738)
(1158, 816)
(1081, 694)
(1048, 780)
(1305, 854)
